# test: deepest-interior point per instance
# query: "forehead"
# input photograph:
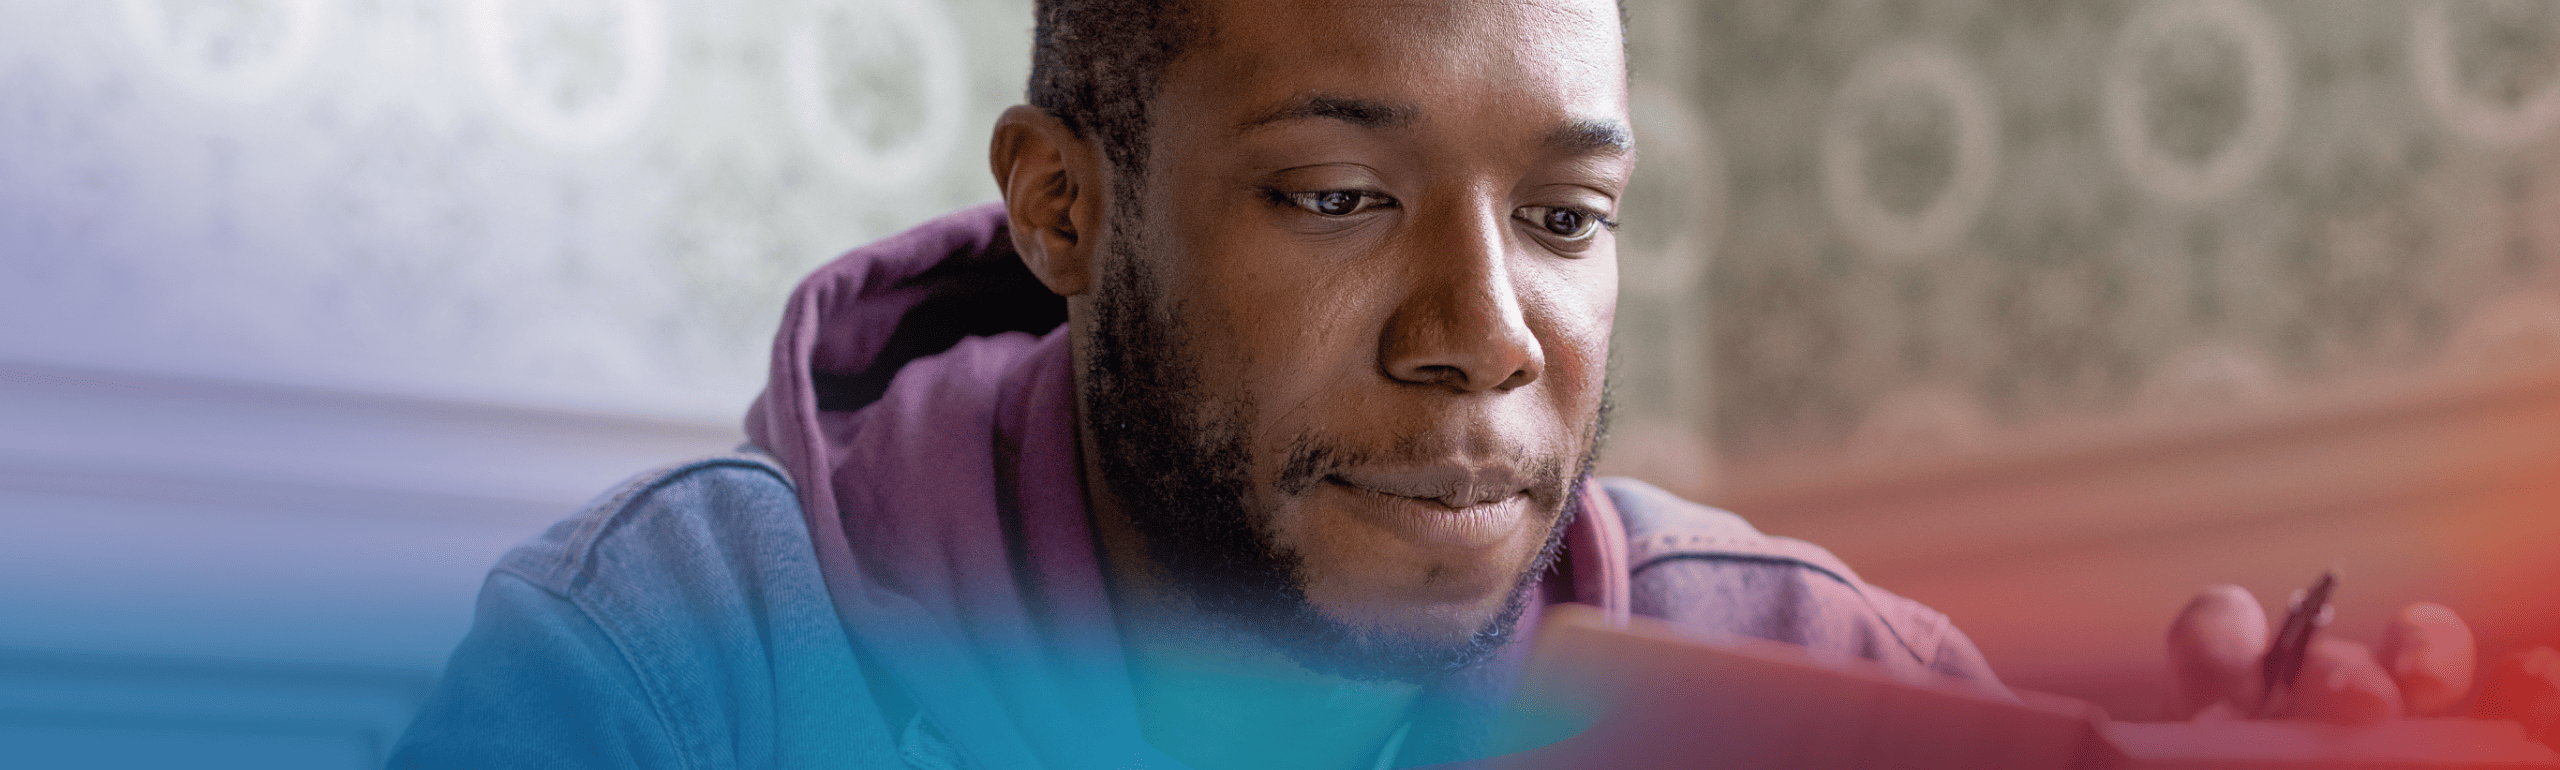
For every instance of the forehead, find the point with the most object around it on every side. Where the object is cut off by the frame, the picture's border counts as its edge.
(1559, 61)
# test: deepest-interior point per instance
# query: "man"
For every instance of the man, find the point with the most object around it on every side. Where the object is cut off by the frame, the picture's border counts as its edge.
(1248, 432)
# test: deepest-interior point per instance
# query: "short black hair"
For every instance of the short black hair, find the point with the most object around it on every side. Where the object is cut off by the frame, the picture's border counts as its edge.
(1095, 65)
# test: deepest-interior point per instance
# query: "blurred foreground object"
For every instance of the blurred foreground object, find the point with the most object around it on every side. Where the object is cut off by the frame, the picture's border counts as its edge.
(2226, 667)
(1646, 696)
(2215, 646)
(2431, 654)
(2526, 688)
(2061, 548)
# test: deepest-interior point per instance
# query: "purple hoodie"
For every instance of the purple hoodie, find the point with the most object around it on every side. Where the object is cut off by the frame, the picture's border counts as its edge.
(918, 583)
(921, 396)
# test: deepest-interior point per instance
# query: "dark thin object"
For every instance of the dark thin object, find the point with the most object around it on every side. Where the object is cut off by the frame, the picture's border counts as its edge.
(2292, 645)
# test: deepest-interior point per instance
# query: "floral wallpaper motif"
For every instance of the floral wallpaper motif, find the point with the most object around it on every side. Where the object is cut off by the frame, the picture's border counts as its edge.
(1935, 221)
(595, 204)
(1873, 226)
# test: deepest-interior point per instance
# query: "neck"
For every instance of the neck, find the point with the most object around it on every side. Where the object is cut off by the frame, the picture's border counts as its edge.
(1216, 695)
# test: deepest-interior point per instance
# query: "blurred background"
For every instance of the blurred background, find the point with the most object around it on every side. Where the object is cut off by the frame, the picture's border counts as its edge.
(2043, 313)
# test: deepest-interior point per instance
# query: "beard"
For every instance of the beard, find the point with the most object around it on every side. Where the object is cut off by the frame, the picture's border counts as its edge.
(1181, 468)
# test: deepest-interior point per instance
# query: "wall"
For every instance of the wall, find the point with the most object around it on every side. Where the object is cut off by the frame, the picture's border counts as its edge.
(1891, 227)
(309, 309)
(2048, 313)
(581, 203)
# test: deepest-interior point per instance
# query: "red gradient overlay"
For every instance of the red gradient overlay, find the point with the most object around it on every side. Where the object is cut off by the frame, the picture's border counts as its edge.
(2065, 551)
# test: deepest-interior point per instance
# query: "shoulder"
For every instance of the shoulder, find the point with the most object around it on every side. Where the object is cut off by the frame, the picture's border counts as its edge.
(701, 566)
(1662, 527)
(697, 516)
(677, 620)
(1705, 567)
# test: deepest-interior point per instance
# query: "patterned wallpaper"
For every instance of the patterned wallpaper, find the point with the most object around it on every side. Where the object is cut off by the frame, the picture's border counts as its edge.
(1889, 227)
(1868, 227)
(594, 204)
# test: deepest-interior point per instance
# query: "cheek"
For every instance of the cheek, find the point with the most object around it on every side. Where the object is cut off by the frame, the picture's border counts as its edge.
(1578, 304)
(1260, 309)
(1296, 342)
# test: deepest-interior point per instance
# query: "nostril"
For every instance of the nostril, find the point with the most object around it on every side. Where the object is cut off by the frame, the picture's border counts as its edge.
(1445, 376)
(1496, 364)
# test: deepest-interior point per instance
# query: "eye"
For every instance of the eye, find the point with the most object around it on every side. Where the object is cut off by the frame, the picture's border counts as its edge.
(1334, 203)
(1567, 223)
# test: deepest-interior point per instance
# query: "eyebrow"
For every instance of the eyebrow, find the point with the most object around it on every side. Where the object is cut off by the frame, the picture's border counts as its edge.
(1584, 136)
(1359, 112)
(1593, 135)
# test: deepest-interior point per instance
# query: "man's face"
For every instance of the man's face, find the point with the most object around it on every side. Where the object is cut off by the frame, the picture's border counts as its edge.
(1346, 358)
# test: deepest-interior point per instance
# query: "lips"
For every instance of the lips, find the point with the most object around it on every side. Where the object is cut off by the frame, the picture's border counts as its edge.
(1451, 506)
(1453, 485)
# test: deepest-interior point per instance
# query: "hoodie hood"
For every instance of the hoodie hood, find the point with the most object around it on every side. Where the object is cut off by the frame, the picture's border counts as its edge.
(921, 397)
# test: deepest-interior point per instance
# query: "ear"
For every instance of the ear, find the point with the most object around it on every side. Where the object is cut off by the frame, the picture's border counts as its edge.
(1053, 196)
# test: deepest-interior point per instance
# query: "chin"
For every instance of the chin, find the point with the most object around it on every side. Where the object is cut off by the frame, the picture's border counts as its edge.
(1431, 624)
(1433, 596)
(1369, 603)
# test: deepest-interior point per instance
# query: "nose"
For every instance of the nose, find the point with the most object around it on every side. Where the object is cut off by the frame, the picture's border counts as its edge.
(1461, 324)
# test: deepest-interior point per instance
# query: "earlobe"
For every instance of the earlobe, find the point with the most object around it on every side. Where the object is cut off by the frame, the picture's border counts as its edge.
(1052, 188)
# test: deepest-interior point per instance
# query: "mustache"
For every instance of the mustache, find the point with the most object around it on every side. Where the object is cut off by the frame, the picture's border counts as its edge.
(1310, 461)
